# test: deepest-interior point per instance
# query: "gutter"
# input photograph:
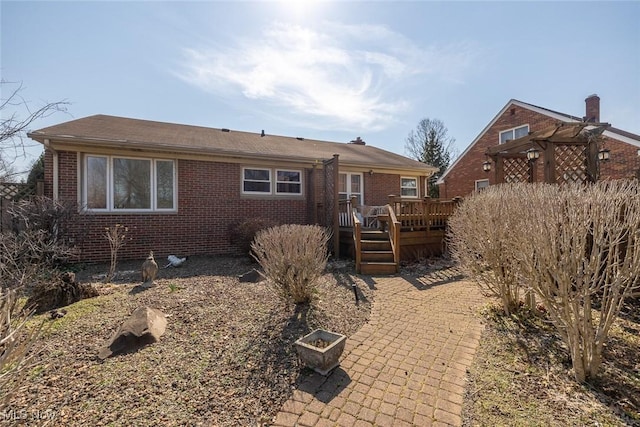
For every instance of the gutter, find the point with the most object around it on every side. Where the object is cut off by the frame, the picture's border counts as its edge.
(47, 144)
(68, 140)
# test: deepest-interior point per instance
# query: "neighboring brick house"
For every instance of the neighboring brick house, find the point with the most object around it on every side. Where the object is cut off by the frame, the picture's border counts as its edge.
(517, 119)
(178, 188)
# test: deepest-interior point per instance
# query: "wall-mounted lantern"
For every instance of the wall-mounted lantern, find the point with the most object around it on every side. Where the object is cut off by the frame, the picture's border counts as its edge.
(533, 154)
(603, 155)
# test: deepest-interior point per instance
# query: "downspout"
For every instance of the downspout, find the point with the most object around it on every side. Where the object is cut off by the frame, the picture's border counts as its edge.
(47, 145)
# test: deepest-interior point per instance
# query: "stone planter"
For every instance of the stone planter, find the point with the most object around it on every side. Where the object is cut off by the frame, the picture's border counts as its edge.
(320, 350)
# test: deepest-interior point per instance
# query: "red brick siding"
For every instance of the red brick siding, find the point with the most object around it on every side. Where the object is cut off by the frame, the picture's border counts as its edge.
(378, 187)
(209, 202)
(460, 180)
(624, 160)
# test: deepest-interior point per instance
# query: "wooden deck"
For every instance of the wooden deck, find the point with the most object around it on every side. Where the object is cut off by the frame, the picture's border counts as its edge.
(408, 228)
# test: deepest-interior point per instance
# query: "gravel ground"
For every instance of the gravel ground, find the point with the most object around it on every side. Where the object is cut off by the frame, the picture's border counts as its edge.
(227, 357)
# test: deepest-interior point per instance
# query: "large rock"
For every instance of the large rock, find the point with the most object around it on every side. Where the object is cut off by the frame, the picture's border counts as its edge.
(145, 326)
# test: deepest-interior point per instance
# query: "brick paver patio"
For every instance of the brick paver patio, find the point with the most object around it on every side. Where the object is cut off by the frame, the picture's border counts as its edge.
(407, 366)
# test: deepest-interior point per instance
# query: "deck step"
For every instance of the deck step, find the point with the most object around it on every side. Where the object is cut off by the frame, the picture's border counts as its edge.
(375, 245)
(378, 268)
(374, 235)
(380, 256)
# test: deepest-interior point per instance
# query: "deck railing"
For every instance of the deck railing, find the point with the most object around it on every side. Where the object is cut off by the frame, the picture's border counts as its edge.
(394, 235)
(357, 236)
(345, 214)
(422, 214)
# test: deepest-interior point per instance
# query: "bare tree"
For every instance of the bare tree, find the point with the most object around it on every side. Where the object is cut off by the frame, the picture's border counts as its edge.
(17, 117)
(430, 143)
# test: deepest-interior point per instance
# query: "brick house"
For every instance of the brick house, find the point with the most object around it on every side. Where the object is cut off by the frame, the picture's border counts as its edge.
(518, 119)
(178, 188)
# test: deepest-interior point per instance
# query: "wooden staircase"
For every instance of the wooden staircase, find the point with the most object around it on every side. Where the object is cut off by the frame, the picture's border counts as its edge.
(376, 254)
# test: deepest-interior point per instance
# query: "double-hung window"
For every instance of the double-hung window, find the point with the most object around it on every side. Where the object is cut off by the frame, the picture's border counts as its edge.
(514, 133)
(288, 182)
(120, 184)
(261, 181)
(256, 181)
(409, 186)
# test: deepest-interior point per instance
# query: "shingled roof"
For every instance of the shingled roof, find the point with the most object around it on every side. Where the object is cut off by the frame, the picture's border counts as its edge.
(126, 133)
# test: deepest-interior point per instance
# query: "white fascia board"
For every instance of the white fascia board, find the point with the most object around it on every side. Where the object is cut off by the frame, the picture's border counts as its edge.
(621, 138)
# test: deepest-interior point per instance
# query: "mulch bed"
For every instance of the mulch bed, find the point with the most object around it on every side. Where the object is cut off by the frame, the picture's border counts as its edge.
(227, 357)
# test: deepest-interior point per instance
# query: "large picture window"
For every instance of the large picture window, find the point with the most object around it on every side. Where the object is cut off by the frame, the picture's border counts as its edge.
(114, 183)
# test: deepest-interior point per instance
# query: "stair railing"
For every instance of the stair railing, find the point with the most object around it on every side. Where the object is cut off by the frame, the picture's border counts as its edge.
(394, 236)
(357, 238)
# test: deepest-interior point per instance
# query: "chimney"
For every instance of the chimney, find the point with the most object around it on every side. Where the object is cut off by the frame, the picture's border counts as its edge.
(262, 133)
(592, 109)
(358, 141)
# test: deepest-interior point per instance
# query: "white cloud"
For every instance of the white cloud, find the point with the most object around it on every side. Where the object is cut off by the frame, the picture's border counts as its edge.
(346, 76)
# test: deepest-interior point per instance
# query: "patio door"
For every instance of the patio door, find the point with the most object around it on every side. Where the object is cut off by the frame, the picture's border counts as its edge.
(350, 184)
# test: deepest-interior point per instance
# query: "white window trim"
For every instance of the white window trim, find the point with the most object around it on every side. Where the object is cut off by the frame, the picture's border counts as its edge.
(513, 129)
(273, 182)
(254, 193)
(285, 193)
(109, 187)
(417, 187)
(479, 181)
(349, 193)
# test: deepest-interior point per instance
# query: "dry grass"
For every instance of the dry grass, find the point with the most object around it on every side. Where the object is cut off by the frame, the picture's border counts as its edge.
(226, 358)
(522, 376)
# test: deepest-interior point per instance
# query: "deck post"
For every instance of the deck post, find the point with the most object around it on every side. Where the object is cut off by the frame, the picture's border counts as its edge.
(354, 203)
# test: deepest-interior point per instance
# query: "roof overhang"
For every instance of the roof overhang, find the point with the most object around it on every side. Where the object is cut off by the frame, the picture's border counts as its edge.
(108, 146)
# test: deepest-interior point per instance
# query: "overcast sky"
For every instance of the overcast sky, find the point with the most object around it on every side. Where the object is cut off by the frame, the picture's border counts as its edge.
(323, 70)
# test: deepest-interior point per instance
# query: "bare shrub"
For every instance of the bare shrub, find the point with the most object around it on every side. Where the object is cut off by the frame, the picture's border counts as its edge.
(576, 247)
(242, 233)
(293, 257)
(479, 239)
(16, 341)
(116, 236)
(580, 253)
(35, 246)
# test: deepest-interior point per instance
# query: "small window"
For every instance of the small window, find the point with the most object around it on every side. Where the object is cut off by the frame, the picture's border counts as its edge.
(288, 182)
(256, 181)
(514, 133)
(409, 187)
(481, 184)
